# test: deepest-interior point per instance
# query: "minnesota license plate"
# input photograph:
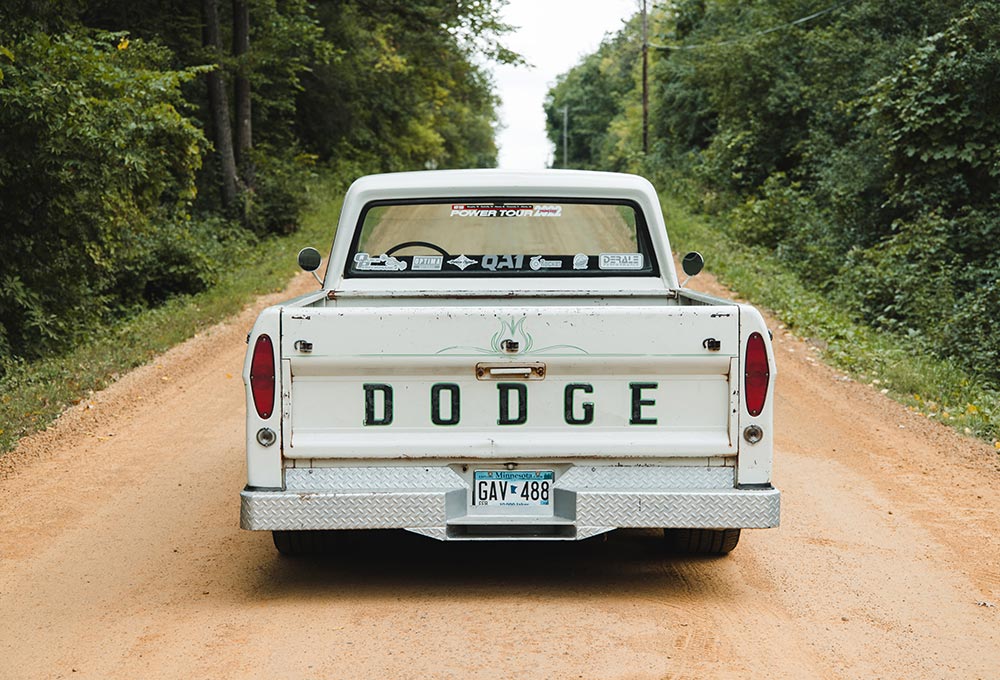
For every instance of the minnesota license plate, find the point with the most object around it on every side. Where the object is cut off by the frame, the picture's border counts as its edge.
(512, 488)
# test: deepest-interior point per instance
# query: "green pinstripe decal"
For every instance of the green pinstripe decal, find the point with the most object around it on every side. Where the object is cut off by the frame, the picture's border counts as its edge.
(513, 330)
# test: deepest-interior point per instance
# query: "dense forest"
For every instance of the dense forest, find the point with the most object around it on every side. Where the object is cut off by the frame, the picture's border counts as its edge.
(142, 140)
(859, 142)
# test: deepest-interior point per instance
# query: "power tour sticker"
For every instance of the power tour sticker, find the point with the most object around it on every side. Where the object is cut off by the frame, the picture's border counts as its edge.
(520, 210)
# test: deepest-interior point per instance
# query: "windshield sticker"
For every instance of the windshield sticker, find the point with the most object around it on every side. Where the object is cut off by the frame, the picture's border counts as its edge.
(538, 262)
(580, 261)
(489, 210)
(548, 211)
(366, 263)
(620, 261)
(462, 262)
(501, 262)
(427, 263)
(465, 210)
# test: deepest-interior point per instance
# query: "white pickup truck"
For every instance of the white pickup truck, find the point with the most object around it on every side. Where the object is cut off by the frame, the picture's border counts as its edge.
(507, 355)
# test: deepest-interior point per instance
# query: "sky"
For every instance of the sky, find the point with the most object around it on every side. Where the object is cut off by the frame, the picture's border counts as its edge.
(552, 35)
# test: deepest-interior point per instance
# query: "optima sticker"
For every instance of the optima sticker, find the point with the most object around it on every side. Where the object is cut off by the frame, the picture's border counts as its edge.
(427, 263)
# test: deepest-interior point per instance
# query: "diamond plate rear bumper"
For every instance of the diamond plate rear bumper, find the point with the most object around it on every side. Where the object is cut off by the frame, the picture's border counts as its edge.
(587, 500)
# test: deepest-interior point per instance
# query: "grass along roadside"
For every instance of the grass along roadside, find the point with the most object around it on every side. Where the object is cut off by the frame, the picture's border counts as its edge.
(897, 366)
(32, 395)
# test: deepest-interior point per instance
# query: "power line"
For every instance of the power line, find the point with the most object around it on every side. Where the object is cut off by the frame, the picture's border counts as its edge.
(723, 43)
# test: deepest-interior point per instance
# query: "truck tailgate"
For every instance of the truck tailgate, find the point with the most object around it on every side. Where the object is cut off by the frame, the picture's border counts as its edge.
(516, 382)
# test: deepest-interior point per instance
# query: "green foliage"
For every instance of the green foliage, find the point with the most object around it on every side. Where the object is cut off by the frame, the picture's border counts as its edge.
(783, 218)
(897, 281)
(386, 85)
(278, 196)
(286, 41)
(404, 89)
(32, 394)
(595, 95)
(78, 113)
(860, 147)
(937, 114)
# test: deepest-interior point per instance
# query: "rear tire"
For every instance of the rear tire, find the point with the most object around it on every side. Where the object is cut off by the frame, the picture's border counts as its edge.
(701, 541)
(303, 543)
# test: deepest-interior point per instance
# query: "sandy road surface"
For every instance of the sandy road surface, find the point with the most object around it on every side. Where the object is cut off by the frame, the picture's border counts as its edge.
(120, 557)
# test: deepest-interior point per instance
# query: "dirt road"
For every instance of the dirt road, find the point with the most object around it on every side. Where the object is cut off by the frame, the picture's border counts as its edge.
(120, 557)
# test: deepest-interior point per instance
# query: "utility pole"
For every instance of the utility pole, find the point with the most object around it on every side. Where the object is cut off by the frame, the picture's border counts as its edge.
(645, 81)
(565, 136)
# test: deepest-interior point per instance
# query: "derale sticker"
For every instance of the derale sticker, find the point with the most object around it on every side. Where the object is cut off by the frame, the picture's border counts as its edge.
(427, 263)
(620, 261)
(383, 263)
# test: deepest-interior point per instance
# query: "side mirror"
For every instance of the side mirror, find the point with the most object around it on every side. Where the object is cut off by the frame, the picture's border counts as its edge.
(692, 264)
(309, 260)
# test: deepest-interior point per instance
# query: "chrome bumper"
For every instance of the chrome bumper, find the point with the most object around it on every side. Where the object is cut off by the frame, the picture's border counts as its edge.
(433, 501)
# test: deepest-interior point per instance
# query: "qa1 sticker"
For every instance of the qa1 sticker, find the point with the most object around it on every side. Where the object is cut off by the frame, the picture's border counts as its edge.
(427, 263)
(495, 262)
(462, 262)
(580, 261)
(366, 263)
(620, 261)
(538, 262)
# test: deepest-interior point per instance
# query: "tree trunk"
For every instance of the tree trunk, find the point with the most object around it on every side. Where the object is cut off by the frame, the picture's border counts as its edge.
(218, 101)
(241, 46)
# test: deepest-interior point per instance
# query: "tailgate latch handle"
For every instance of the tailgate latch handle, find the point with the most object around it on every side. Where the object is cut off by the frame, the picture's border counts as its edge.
(533, 370)
(712, 345)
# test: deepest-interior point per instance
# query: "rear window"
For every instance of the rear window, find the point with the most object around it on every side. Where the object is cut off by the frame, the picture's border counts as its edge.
(516, 237)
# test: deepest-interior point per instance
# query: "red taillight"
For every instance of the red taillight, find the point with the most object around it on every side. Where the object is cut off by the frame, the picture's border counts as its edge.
(262, 377)
(756, 374)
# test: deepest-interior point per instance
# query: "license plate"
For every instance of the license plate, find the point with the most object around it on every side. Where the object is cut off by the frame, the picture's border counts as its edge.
(512, 488)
